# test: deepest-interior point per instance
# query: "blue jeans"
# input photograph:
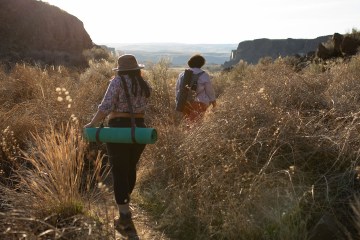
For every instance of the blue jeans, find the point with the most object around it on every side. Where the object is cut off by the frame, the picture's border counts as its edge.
(123, 159)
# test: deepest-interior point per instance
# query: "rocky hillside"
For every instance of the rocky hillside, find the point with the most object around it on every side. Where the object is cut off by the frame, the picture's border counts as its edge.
(32, 30)
(252, 51)
(325, 47)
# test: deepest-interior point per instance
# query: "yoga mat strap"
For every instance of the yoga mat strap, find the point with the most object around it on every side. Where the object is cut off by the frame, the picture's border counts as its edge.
(97, 136)
(133, 124)
(133, 134)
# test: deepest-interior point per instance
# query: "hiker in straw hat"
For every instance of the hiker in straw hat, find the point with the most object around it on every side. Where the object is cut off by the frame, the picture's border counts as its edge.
(123, 156)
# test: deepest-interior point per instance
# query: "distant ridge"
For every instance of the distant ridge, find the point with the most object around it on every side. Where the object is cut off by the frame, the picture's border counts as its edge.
(173, 47)
(177, 53)
(252, 51)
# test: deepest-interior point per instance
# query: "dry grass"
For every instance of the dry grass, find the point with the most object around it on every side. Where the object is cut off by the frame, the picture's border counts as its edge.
(279, 151)
(55, 195)
(50, 191)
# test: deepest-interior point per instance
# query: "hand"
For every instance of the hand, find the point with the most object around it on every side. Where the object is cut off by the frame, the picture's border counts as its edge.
(213, 103)
(89, 125)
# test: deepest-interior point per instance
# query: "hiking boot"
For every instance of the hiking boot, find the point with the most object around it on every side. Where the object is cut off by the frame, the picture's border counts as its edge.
(133, 236)
(125, 226)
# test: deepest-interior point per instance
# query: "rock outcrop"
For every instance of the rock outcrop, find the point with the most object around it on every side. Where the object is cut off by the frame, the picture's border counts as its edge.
(338, 46)
(252, 51)
(322, 48)
(35, 31)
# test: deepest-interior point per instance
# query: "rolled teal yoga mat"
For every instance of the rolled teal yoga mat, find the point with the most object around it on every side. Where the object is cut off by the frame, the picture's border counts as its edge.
(121, 135)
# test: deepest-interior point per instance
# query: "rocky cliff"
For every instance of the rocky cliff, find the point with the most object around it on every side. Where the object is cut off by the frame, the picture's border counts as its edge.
(252, 51)
(35, 31)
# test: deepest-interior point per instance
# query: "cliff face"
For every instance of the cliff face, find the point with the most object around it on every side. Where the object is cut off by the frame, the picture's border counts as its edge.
(252, 51)
(36, 31)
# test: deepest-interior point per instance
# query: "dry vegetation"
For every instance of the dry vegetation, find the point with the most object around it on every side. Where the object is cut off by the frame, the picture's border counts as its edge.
(279, 152)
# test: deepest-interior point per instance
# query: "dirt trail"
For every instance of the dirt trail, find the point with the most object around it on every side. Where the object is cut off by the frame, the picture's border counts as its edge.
(144, 225)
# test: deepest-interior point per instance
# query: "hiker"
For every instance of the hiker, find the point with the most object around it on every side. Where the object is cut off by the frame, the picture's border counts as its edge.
(203, 91)
(124, 156)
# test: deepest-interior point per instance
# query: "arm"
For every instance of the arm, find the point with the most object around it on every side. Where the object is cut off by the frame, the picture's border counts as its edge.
(98, 117)
(177, 87)
(209, 90)
(106, 104)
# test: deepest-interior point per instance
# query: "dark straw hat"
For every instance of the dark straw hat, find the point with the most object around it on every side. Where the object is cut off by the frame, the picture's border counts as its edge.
(196, 61)
(127, 62)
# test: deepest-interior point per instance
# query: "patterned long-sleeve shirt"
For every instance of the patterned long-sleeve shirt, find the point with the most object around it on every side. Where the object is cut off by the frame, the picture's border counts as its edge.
(115, 98)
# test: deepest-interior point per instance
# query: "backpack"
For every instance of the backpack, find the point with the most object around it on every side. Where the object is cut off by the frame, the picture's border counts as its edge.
(188, 86)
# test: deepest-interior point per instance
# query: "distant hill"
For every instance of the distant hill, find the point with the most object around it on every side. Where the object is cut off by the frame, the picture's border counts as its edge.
(177, 53)
(36, 31)
(174, 47)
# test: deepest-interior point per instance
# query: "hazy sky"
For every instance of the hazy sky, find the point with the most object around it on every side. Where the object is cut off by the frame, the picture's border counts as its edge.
(211, 21)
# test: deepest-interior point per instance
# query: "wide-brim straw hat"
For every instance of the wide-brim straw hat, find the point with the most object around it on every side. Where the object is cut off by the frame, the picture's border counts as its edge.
(128, 62)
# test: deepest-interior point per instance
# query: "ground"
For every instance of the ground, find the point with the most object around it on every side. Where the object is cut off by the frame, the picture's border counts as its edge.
(145, 226)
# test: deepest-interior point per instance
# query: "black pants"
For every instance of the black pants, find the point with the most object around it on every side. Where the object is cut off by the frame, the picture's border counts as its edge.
(124, 158)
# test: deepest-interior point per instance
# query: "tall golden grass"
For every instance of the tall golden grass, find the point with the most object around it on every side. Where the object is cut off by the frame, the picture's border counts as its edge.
(278, 152)
(54, 189)
(48, 171)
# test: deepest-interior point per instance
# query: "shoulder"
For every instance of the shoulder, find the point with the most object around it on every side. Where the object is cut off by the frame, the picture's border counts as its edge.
(199, 72)
(204, 73)
(204, 76)
(115, 80)
(181, 74)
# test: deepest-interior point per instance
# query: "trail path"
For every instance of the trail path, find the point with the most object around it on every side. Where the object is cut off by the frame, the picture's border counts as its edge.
(144, 225)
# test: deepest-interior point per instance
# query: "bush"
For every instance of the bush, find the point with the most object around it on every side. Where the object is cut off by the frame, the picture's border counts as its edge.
(278, 152)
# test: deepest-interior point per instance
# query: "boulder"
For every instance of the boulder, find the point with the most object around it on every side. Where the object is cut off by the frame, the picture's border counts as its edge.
(338, 46)
(349, 46)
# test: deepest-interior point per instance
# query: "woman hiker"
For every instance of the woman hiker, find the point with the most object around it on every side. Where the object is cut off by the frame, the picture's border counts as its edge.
(128, 84)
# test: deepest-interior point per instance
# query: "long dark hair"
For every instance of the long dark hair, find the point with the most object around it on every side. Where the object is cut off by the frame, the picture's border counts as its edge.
(136, 77)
